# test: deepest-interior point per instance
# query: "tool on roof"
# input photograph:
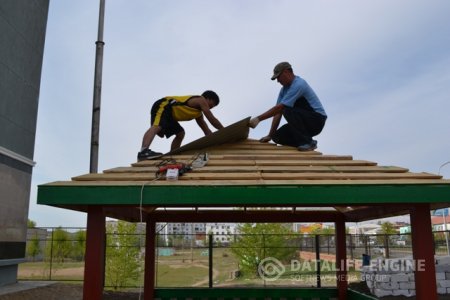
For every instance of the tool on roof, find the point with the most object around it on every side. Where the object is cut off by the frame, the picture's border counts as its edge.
(172, 170)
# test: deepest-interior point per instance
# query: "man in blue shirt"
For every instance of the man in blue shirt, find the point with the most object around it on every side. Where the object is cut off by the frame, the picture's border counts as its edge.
(301, 108)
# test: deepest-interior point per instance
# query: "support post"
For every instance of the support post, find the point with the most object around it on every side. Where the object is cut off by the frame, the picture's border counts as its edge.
(149, 276)
(317, 240)
(341, 259)
(94, 269)
(423, 252)
(210, 261)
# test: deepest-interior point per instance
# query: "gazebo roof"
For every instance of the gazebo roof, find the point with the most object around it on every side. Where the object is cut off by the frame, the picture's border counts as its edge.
(244, 178)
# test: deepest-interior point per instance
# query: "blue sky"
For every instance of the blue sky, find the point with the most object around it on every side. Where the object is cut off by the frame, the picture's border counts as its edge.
(381, 69)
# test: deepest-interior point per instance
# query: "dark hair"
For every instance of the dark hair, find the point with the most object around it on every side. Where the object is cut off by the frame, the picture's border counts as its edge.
(212, 96)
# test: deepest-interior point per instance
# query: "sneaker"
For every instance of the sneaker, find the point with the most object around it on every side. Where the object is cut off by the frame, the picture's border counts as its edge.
(148, 154)
(308, 147)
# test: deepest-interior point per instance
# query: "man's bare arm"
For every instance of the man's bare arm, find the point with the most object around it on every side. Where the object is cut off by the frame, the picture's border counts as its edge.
(202, 124)
(202, 104)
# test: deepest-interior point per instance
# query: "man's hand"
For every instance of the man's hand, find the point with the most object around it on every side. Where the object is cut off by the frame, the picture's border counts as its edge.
(265, 139)
(253, 122)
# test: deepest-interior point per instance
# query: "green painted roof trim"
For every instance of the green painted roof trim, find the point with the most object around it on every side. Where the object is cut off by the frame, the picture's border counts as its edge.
(243, 195)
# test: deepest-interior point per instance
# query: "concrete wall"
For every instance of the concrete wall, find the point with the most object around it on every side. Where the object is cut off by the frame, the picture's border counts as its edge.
(22, 35)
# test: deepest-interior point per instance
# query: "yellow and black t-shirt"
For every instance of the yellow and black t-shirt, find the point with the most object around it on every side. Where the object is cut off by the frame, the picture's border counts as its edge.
(168, 111)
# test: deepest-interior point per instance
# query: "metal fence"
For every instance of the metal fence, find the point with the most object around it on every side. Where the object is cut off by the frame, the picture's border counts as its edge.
(203, 260)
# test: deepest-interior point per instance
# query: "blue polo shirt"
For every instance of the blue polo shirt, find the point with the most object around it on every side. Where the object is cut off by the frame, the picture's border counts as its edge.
(297, 90)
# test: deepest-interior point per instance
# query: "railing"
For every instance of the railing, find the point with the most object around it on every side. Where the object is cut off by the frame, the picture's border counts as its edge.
(206, 260)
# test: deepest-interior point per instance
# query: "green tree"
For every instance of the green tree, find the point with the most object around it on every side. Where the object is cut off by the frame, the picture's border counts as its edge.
(122, 255)
(388, 228)
(33, 248)
(79, 245)
(259, 241)
(60, 246)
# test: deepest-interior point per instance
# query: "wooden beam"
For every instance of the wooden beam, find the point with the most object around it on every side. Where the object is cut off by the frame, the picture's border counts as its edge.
(150, 260)
(423, 252)
(244, 216)
(341, 259)
(94, 266)
(376, 211)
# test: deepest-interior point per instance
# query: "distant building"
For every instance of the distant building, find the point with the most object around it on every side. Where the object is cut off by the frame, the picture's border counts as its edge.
(365, 229)
(222, 232)
(309, 228)
(405, 229)
(22, 34)
(186, 229)
(440, 223)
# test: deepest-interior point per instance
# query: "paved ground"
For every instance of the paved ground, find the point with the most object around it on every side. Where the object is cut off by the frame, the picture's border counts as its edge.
(37, 290)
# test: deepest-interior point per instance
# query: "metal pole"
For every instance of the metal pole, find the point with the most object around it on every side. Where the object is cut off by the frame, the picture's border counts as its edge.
(97, 91)
(210, 261)
(319, 283)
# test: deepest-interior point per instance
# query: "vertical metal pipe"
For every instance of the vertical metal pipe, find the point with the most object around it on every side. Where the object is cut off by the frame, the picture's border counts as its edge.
(51, 256)
(319, 282)
(210, 261)
(95, 131)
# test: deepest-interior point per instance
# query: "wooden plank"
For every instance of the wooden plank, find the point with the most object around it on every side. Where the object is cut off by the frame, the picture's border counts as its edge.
(221, 176)
(296, 162)
(348, 176)
(259, 146)
(231, 133)
(271, 169)
(247, 152)
(208, 177)
(250, 183)
(264, 160)
(267, 162)
(152, 176)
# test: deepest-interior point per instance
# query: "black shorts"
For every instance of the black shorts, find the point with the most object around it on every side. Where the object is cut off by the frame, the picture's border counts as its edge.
(161, 115)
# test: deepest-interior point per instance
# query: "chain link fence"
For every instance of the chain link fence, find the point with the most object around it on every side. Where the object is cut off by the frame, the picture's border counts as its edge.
(203, 260)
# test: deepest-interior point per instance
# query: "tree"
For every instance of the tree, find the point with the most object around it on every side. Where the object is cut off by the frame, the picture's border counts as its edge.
(388, 228)
(259, 241)
(79, 245)
(122, 254)
(33, 248)
(60, 246)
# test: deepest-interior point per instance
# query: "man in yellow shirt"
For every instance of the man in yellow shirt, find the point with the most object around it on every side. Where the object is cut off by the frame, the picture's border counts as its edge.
(166, 114)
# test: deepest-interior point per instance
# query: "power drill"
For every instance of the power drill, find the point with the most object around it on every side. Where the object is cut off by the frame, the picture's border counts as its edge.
(182, 168)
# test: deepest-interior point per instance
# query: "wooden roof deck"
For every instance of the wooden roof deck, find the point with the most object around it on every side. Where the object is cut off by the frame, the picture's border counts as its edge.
(248, 174)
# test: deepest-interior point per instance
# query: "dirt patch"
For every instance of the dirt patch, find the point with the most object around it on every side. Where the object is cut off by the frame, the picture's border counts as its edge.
(54, 291)
(64, 291)
(73, 272)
